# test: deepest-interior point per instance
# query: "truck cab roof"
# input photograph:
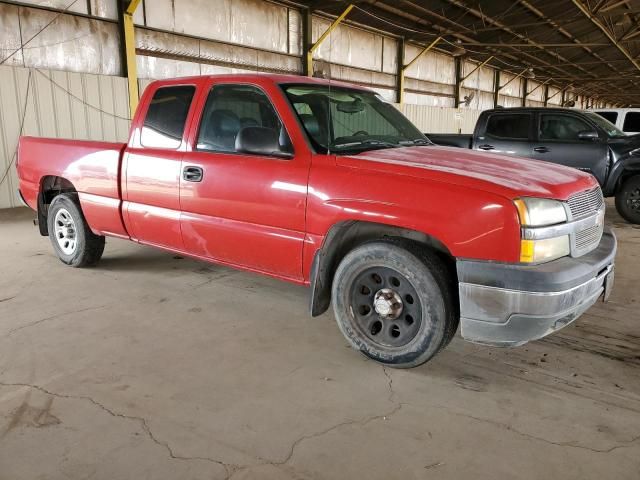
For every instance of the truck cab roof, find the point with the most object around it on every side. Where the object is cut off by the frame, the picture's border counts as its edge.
(259, 78)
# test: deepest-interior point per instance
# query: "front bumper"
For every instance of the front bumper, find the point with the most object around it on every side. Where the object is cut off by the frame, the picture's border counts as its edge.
(509, 304)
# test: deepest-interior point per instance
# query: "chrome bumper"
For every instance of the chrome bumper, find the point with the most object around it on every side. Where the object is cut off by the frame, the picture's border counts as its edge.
(509, 305)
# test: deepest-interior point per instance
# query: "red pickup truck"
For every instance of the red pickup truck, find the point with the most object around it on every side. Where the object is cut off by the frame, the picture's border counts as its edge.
(325, 184)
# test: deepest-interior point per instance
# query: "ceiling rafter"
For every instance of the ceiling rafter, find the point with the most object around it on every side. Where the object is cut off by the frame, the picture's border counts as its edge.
(560, 42)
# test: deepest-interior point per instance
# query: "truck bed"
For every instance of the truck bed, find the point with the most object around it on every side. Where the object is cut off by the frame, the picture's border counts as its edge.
(451, 139)
(93, 168)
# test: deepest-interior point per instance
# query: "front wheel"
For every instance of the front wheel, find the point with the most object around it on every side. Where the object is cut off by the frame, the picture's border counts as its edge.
(394, 303)
(72, 239)
(628, 200)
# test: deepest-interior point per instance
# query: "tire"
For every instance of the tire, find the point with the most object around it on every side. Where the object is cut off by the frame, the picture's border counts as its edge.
(72, 239)
(628, 200)
(394, 302)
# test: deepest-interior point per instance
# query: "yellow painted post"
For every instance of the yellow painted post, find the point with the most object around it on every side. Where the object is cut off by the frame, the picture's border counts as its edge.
(322, 38)
(130, 49)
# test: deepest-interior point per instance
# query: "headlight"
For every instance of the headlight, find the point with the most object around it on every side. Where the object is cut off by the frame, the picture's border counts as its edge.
(542, 212)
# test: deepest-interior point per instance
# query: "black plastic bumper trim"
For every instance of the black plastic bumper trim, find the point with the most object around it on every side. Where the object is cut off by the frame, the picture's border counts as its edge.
(558, 275)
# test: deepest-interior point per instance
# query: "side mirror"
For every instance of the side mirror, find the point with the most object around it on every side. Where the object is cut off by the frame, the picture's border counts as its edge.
(588, 135)
(260, 141)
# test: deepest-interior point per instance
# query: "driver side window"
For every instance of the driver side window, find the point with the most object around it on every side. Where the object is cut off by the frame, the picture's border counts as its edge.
(561, 127)
(232, 108)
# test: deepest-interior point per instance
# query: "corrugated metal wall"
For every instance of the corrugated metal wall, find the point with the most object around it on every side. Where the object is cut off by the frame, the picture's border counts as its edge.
(56, 104)
(441, 119)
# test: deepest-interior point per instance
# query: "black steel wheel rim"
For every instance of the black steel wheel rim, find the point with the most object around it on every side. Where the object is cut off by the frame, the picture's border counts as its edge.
(374, 297)
(633, 200)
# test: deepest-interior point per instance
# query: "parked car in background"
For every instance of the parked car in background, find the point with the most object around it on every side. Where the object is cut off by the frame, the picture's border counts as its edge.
(326, 185)
(579, 139)
(626, 119)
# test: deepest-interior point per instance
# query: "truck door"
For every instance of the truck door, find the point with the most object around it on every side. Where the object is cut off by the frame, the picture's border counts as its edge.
(506, 133)
(243, 209)
(152, 168)
(561, 139)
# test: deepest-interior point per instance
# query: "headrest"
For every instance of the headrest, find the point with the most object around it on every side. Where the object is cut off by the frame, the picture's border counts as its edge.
(311, 124)
(224, 122)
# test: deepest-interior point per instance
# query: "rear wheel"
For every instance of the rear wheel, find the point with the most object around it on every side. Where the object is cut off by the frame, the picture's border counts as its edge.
(628, 200)
(72, 239)
(394, 303)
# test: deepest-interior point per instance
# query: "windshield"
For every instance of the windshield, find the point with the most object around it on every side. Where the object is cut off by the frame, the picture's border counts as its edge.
(343, 120)
(610, 129)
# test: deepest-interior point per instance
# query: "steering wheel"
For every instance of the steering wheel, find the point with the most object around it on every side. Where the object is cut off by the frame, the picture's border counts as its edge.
(360, 133)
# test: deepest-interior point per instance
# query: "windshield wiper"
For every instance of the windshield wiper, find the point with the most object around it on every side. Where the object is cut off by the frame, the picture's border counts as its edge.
(367, 143)
(417, 141)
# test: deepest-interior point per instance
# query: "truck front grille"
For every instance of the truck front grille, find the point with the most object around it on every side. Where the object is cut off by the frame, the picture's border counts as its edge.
(585, 203)
(588, 238)
(581, 205)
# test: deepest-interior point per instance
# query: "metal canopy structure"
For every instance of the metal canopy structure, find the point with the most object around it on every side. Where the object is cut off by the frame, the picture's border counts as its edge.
(592, 46)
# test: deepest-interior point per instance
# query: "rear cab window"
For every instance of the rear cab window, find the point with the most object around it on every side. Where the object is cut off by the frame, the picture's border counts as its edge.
(631, 122)
(166, 117)
(511, 126)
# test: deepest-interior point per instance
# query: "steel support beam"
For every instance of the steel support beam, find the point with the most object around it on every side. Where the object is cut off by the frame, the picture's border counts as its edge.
(457, 84)
(403, 68)
(130, 53)
(309, 54)
(496, 87)
(400, 71)
(546, 95)
(606, 31)
(307, 42)
(524, 92)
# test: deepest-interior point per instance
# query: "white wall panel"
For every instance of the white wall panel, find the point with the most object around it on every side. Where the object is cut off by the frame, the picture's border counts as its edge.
(295, 32)
(70, 42)
(79, 6)
(509, 86)
(556, 94)
(106, 8)
(253, 23)
(506, 101)
(10, 51)
(389, 55)
(61, 105)
(535, 91)
(432, 66)
(482, 78)
(439, 119)
(348, 45)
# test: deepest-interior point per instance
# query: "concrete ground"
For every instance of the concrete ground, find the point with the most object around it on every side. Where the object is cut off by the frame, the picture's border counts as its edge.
(153, 367)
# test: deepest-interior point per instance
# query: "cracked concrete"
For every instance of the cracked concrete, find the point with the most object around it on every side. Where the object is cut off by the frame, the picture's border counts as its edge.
(151, 367)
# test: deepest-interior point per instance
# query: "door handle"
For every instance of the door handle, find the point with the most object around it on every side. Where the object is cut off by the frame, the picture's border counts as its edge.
(541, 149)
(486, 147)
(192, 174)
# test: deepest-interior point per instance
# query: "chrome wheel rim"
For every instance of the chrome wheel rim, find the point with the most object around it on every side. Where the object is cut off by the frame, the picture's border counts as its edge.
(65, 231)
(385, 306)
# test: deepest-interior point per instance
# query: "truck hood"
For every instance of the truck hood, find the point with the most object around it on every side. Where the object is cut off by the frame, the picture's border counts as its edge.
(511, 177)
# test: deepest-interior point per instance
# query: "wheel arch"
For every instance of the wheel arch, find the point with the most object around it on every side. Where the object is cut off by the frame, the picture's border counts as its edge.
(50, 187)
(346, 235)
